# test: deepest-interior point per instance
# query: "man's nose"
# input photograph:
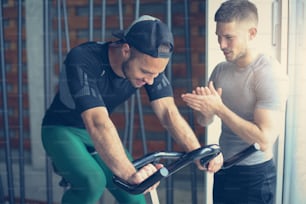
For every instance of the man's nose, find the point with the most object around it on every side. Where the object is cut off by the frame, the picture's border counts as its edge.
(222, 43)
(149, 80)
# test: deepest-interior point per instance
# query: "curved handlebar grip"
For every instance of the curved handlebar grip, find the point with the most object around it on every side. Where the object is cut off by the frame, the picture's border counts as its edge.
(214, 150)
(142, 187)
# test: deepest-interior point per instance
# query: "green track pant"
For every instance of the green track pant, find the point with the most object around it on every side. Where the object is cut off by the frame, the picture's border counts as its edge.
(87, 174)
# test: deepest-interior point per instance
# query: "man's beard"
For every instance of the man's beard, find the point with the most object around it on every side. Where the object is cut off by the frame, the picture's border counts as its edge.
(241, 55)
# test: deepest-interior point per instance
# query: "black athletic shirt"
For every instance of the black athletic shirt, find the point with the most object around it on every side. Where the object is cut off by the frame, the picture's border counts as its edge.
(88, 81)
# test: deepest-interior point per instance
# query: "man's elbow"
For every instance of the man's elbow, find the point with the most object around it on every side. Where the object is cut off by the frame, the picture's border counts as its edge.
(267, 142)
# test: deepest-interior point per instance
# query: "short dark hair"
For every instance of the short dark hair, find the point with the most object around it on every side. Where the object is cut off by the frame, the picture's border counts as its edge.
(237, 10)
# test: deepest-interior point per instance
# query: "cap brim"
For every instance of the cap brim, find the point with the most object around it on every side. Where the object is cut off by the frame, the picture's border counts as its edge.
(119, 34)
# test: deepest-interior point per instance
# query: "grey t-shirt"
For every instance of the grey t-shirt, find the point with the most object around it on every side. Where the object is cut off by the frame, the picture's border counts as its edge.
(243, 90)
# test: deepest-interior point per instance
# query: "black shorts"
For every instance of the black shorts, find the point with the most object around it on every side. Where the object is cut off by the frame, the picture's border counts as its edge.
(254, 184)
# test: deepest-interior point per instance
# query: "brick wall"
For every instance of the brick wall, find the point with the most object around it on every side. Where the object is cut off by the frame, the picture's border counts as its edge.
(78, 12)
(11, 62)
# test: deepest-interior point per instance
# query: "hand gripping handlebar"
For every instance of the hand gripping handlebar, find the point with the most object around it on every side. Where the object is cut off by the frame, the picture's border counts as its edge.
(204, 154)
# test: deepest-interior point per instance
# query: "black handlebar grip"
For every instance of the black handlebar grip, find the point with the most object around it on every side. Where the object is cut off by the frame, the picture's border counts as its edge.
(142, 187)
(212, 152)
(154, 157)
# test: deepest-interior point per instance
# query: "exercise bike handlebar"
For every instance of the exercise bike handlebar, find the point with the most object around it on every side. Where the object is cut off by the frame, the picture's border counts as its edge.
(203, 154)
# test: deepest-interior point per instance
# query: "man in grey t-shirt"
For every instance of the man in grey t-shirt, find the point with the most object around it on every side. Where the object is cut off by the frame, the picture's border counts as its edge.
(245, 93)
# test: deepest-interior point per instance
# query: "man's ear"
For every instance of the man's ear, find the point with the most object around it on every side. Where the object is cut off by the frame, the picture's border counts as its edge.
(125, 50)
(252, 32)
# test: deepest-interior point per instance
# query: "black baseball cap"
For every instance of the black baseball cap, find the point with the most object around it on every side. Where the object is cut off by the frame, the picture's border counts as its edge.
(148, 35)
